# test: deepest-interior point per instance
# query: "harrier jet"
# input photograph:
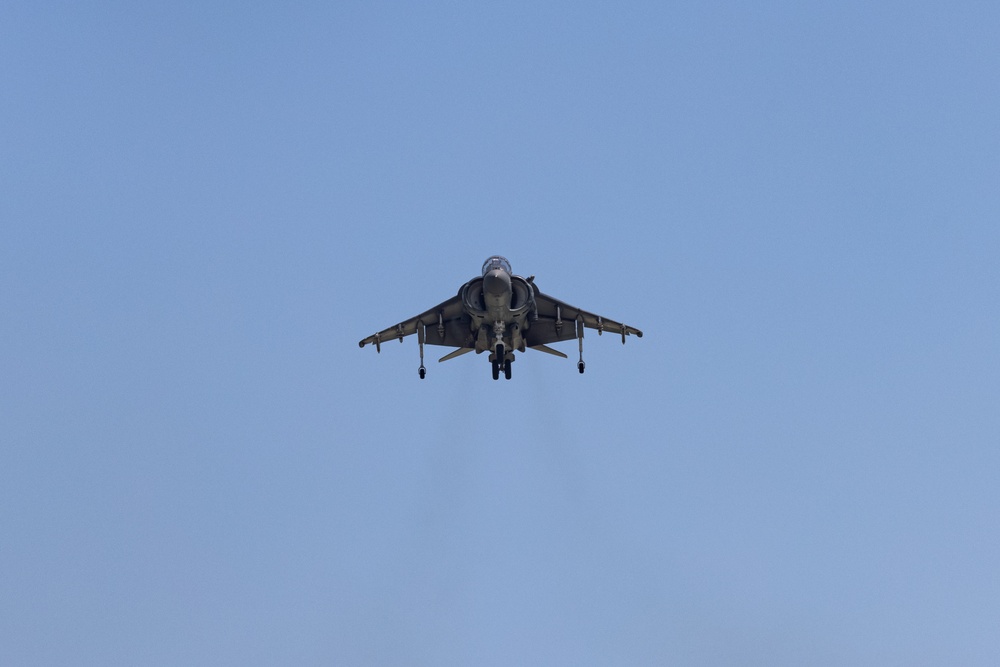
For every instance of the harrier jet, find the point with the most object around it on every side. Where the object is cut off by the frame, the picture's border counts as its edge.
(499, 313)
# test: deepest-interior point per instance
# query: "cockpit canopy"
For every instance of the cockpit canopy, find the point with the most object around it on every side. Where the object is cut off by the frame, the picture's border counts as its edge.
(496, 262)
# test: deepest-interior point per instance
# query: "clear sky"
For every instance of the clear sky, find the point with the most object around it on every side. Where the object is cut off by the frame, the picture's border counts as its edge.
(205, 206)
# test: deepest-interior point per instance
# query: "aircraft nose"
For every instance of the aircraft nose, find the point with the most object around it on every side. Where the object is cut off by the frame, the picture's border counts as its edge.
(496, 282)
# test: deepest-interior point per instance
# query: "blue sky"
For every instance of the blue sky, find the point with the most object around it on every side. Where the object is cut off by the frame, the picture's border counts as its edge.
(204, 207)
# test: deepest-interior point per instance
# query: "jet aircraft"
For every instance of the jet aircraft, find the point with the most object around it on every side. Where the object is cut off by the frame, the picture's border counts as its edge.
(499, 313)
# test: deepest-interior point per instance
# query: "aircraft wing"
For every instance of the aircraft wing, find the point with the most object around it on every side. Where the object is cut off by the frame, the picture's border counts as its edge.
(445, 324)
(557, 321)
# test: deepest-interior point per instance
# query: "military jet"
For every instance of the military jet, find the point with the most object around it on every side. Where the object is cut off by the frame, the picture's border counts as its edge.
(499, 313)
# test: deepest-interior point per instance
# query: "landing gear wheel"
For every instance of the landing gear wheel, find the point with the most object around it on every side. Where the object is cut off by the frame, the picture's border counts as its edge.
(506, 369)
(498, 354)
(422, 371)
(581, 366)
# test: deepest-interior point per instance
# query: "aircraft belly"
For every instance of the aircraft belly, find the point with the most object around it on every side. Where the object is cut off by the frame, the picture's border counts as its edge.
(497, 308)
(516, 337)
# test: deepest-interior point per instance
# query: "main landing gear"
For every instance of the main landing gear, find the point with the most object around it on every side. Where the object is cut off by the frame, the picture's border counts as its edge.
(500, 362)
(505, 366)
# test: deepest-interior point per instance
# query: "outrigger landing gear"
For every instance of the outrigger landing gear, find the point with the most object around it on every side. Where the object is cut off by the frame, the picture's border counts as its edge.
(579, 334)
(422, 371)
